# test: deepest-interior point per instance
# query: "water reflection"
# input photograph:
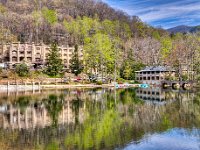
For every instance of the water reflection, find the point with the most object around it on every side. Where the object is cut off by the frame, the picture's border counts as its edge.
(100, 119)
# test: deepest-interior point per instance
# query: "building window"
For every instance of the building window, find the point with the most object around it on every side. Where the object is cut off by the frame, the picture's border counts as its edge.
(144, 78)
(29, 52)
(71, 50)
(38, 48)
(14, 59)
(15, 47)
(30, 48)
(157, 78)
(37, 59)
(29, 59)
(65, 61)
(22, 48)
(21, 58)
(153, 78)
(14, 52)
(38, 55)
(149, 78)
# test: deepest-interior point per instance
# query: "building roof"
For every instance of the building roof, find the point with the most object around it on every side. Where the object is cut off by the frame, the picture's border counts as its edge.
(156, 68)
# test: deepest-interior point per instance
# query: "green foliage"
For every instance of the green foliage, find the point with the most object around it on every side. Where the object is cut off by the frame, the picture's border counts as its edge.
(184, 77)
(22, 70)
(108, 124)
(166, 47)
(99, 52)
(127, 71)
(166, 123)
(54, 62)
(76, 65)
(23, 102)
(129, 96)
(53, 146)
(156, 35)
(99, 82)
(54, 106)
(49, 15)
(120, 80)
(2, 9)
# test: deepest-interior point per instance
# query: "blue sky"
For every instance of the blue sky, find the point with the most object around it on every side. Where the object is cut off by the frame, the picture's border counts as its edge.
(164, 13)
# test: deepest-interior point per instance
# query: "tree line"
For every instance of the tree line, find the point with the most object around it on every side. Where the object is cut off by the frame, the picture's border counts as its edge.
(111, 39)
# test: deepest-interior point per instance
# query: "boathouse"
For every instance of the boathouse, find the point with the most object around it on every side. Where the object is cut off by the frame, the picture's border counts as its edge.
(154, 75)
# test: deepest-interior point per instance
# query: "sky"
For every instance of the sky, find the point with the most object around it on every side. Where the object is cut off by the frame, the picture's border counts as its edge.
(161, 13)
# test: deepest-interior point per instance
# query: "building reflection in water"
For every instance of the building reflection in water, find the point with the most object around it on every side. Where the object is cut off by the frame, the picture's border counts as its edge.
(26, 112)
(93, 118)
(162, 96)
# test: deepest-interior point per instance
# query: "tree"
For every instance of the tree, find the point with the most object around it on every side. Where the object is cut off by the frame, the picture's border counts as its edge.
(22, 70)
(54, 62)
(166, 47)
(75, 64)
(54, 105)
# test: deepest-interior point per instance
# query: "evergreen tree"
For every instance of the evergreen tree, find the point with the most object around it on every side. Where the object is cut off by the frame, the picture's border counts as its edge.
(75, 64)
(54, 62)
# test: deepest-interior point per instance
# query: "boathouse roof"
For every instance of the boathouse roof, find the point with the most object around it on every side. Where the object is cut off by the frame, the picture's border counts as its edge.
(157, 68)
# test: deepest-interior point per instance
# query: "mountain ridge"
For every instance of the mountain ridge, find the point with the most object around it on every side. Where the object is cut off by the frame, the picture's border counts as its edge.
(184, 29)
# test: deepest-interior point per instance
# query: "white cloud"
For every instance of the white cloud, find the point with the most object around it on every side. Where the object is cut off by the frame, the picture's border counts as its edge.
(176, 12)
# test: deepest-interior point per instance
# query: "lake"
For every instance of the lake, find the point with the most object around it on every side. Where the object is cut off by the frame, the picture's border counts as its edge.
(129, 119)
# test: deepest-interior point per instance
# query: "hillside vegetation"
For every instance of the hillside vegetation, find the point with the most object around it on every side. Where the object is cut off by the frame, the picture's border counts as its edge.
(111, 38)
(43, 20)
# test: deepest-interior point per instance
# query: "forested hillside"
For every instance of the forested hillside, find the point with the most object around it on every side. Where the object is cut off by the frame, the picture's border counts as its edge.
(110, 37)
(42, 20)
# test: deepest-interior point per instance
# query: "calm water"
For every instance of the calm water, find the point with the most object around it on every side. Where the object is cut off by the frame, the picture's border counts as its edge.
(141, 119)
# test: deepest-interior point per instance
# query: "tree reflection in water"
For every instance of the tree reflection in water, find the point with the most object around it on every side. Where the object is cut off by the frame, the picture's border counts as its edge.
(76, 105)
(54, 105)
(99, 119)
(23, 102)
(104, 128)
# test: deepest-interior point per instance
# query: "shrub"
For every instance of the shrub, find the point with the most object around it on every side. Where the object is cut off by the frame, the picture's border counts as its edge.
(22, 70)
(121, 80)
(99, 82)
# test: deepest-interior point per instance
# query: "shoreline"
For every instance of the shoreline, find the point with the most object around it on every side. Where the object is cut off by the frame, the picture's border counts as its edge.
(13, 88)
(34, 87)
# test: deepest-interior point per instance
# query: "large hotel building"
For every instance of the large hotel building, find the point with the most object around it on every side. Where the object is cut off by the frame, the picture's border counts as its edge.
(15, 53)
